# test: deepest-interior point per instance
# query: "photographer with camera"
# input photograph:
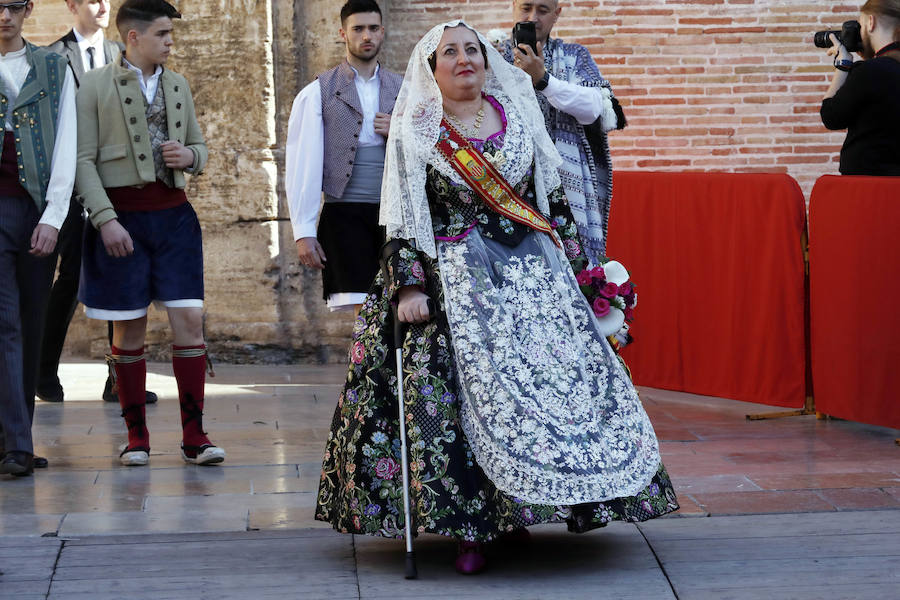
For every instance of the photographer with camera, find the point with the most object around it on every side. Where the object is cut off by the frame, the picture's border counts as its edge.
(864, 96)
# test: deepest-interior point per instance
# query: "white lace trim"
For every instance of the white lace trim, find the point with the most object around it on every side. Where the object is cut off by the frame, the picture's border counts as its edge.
(550, 414)
(415, 126)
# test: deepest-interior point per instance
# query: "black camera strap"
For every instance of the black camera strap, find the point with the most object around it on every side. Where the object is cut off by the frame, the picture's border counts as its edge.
(890, 47)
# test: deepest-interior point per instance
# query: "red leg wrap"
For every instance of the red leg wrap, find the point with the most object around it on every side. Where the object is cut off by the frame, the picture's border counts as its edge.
(131, 378)
(189, 365)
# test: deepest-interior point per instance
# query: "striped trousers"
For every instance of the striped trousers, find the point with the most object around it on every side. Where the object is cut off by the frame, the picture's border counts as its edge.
(24, 287)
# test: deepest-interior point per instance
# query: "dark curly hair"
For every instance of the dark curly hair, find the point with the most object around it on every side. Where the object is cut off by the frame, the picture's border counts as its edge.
(358, 6)
(138, 14)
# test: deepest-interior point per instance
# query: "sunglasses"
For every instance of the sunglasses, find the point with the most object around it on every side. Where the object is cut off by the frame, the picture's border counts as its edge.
(15, 7)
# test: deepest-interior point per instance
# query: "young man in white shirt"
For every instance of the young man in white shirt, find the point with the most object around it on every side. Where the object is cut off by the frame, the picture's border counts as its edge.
(85, 47)
(37, 171)
(137, 137)
(335, 146)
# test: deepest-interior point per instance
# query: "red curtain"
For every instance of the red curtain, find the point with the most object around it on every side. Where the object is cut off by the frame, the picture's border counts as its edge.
(718, 263)
(854, 226)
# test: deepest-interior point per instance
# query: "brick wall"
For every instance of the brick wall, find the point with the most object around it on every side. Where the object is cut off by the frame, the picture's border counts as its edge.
(49, 20)
(724, 85)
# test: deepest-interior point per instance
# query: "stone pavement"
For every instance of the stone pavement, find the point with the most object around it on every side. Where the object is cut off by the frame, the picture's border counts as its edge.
(788, 508)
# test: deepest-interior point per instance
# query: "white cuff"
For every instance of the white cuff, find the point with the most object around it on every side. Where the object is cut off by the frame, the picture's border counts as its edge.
(345, 300)
(303, 230)
(102, 314)
(54, 214)
(608, 120)
(188, 303)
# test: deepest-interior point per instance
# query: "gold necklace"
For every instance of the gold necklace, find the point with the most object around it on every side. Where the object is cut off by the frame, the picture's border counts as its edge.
(464, 129)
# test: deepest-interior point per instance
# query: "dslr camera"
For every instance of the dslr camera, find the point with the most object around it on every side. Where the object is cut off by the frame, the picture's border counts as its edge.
(850, 36)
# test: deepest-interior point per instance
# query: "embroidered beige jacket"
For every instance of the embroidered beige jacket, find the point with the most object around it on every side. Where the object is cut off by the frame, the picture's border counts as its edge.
(113, 138)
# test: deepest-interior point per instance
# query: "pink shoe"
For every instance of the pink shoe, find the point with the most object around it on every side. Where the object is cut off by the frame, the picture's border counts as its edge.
(471, 558)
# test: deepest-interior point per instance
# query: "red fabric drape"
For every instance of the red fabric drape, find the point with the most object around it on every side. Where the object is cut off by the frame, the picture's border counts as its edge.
(718, 263)
(854, 277)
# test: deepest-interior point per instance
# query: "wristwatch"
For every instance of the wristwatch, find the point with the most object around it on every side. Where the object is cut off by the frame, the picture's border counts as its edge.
(543, 81)
(843, 65)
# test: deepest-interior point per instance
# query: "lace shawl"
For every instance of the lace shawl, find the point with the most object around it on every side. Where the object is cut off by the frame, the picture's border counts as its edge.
(414, 132)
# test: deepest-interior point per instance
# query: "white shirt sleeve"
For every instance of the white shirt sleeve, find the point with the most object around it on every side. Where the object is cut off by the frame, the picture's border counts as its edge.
(62, 165)
(305, 160)
(583, 103)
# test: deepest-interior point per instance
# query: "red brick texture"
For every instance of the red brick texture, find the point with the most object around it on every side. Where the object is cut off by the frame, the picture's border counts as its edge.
(49, 20)
(719, 85)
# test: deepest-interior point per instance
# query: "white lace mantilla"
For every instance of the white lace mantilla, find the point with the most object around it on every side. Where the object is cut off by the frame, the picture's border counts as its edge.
(549, 412)
(415, 125)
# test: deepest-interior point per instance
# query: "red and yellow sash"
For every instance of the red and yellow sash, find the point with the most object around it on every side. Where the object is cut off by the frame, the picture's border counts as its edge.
(487, 182)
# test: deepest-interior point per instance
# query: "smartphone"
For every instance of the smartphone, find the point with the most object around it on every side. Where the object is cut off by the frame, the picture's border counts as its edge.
(524, 33)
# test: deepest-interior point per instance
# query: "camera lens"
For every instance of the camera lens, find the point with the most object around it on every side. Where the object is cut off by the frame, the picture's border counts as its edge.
(822, 39)
(850, 36)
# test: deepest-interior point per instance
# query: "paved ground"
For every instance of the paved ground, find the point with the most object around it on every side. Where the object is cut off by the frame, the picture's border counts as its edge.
(789, 508)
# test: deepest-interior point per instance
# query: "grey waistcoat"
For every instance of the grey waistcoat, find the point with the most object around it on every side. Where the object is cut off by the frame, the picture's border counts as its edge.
(364, 184)
(342, 117)
(158, 126)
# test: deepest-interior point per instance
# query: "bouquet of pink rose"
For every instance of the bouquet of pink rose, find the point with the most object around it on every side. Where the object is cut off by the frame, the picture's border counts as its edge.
(610, 294)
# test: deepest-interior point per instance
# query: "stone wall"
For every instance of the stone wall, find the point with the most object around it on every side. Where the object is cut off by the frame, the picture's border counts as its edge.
(727, 85)
(241, 59)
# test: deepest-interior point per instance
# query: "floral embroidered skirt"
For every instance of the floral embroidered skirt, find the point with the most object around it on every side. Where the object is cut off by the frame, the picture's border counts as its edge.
(360, 489)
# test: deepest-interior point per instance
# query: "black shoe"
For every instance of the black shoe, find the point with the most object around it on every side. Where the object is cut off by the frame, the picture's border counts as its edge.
(40, 462)
(110, 396)
(17, 463)
(50, 394)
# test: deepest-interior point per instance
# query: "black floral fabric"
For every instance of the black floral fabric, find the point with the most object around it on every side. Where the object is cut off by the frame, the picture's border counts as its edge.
(360, 490)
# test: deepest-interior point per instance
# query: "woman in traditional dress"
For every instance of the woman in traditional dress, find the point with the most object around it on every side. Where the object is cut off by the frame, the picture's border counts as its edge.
(518, 411)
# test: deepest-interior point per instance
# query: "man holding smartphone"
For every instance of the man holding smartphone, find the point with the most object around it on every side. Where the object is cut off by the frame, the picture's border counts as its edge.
(579, 109)
(137, 137)
(86, 48)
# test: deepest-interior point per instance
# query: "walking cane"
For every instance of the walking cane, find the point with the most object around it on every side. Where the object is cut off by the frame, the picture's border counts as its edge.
(399, 334)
